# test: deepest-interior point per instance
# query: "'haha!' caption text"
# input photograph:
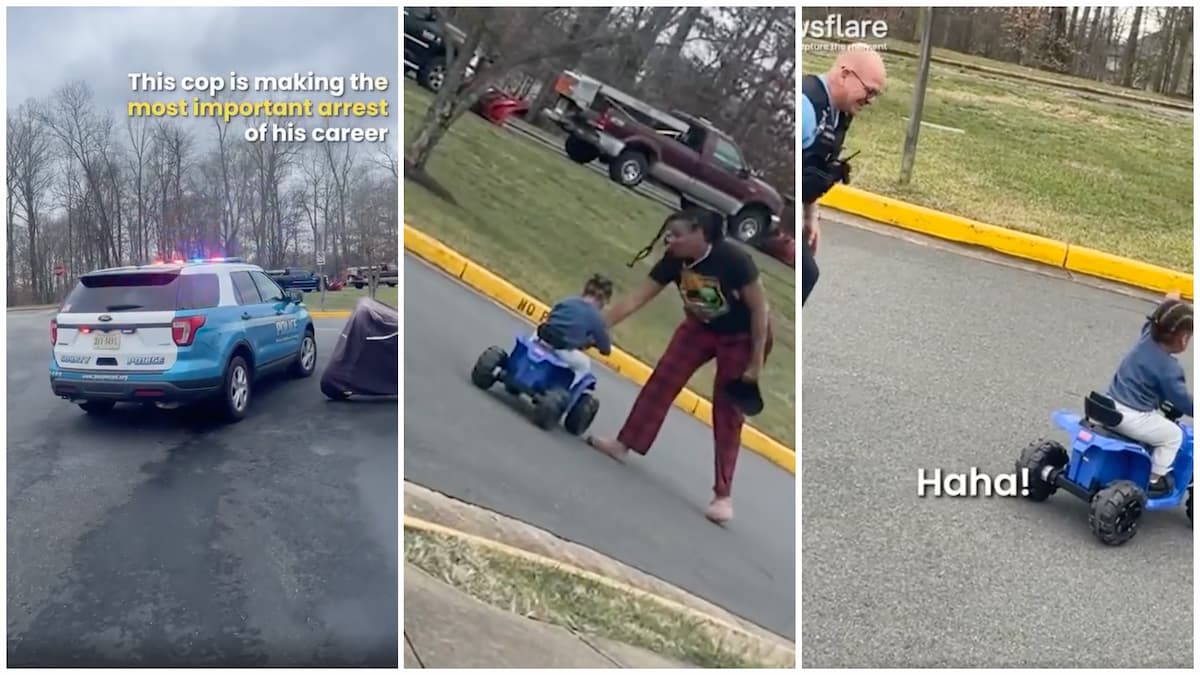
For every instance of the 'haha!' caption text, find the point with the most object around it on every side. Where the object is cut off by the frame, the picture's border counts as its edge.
(974, 483)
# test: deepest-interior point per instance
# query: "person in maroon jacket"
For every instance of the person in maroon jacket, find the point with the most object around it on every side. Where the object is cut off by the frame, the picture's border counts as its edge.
(725, 317)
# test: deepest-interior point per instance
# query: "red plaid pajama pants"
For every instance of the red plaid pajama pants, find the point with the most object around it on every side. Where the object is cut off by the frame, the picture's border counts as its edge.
(691, 347)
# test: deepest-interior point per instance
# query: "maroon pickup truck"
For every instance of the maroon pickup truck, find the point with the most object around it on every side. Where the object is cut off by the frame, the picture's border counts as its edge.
(682, 153)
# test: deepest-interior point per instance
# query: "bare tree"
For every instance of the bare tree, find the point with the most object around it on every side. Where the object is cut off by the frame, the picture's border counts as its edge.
(29, 166)
(502, 34)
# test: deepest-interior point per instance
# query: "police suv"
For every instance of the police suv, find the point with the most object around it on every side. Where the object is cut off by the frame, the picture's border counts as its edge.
(177, 332)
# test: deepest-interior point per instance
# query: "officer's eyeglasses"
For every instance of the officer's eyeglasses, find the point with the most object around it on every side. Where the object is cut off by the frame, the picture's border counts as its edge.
(870, 91)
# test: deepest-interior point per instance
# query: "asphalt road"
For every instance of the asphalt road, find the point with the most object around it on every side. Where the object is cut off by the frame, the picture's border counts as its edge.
(477, 446)
(914, 358)
(158, 538)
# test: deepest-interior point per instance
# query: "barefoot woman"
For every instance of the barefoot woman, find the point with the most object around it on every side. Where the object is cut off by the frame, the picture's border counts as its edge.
(725, 317)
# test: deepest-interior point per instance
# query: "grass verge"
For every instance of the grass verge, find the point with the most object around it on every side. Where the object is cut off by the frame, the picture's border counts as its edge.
(546, 224)
(578, 604)
(1034, 158)
(345, 299)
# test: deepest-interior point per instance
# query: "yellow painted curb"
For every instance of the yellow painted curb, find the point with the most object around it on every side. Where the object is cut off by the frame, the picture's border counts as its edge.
(1132, 272)
(487, 283)
(328, 315)
(1010, 242)
(412, 523)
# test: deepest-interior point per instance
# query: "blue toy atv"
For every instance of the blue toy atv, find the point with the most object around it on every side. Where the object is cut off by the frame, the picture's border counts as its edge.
(535, 371)
(1110, 471)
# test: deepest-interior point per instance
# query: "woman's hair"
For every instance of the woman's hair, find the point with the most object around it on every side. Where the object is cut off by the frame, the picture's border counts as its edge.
(711, 222)
(1169, 318)
(599, 286)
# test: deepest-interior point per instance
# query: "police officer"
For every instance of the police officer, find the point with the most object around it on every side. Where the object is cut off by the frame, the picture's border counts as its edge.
(830, 102)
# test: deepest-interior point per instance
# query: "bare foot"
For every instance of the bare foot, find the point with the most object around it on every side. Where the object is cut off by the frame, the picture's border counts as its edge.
(609, 446)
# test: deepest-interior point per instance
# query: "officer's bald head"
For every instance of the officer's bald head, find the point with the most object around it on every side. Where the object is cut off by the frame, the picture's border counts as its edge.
(857, 77)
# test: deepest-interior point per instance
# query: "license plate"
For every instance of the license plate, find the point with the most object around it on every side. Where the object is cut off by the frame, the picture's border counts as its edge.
(107, 341)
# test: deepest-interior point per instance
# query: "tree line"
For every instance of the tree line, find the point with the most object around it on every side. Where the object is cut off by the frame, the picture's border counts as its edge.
(87, 192)
(1147, 48)
(735, 66)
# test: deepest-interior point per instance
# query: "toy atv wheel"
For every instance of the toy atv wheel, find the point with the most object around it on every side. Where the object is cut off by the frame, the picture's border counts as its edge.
(1116, 511)
(1038, 457)
(581, 414)
(484, 374)
(1189, 505)
(548, 407)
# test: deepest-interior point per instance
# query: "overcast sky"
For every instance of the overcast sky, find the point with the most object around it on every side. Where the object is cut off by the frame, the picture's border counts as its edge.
(49, 47)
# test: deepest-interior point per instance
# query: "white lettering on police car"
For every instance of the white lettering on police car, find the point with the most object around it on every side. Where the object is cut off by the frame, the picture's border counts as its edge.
(75, 358)
(284, 326)
(146, 360)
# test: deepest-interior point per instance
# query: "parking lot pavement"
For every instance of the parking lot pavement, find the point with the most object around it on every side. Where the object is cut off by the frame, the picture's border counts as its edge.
(648, 512)
(156, 538)
(921, 358)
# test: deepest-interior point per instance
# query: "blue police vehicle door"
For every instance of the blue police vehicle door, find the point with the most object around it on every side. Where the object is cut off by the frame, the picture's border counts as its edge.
(286, 327)
(258, 318)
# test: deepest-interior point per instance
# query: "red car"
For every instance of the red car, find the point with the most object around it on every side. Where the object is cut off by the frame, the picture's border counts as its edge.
(782, 247)
(497, 106)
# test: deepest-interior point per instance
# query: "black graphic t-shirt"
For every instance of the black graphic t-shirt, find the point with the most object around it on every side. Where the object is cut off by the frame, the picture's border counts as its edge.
(711, 288)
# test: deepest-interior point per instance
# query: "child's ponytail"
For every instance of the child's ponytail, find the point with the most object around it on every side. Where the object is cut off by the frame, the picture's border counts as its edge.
(1170, 317)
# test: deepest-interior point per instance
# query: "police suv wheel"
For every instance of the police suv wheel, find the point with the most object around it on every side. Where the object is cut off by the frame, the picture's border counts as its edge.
(306, 362)
(235, 396)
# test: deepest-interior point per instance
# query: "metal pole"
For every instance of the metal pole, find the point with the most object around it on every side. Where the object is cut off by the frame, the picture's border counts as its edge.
(918, 104)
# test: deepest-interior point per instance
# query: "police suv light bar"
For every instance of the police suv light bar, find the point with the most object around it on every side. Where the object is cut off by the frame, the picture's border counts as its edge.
(180, 261)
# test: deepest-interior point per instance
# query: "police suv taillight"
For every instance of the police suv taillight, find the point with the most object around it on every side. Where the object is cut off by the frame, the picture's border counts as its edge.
(53, 331)
(183, 331)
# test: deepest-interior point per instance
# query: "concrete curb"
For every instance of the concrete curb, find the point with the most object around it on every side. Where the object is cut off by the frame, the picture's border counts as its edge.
(427, 527)
(316, 314)
(1050, 252)
(501, 291)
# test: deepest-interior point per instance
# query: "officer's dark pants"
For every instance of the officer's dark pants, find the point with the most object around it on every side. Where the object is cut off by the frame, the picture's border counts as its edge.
(808, 271)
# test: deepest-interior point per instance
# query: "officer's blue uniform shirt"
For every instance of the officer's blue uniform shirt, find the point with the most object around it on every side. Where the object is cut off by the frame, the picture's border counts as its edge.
(808, 123)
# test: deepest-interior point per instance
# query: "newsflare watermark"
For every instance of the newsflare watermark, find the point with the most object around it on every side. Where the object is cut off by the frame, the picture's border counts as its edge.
(837, 27)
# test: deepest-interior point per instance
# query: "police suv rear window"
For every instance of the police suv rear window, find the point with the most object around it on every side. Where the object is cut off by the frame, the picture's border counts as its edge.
(143, 292)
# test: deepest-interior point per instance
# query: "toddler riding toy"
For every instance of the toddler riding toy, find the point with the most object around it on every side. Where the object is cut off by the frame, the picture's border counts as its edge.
(534, 371)
(1108, 470)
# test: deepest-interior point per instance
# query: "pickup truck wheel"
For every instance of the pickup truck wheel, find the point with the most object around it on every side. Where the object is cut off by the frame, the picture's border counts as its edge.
(580, 151)
(750, 223)
(629, 168)
(432, 74)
